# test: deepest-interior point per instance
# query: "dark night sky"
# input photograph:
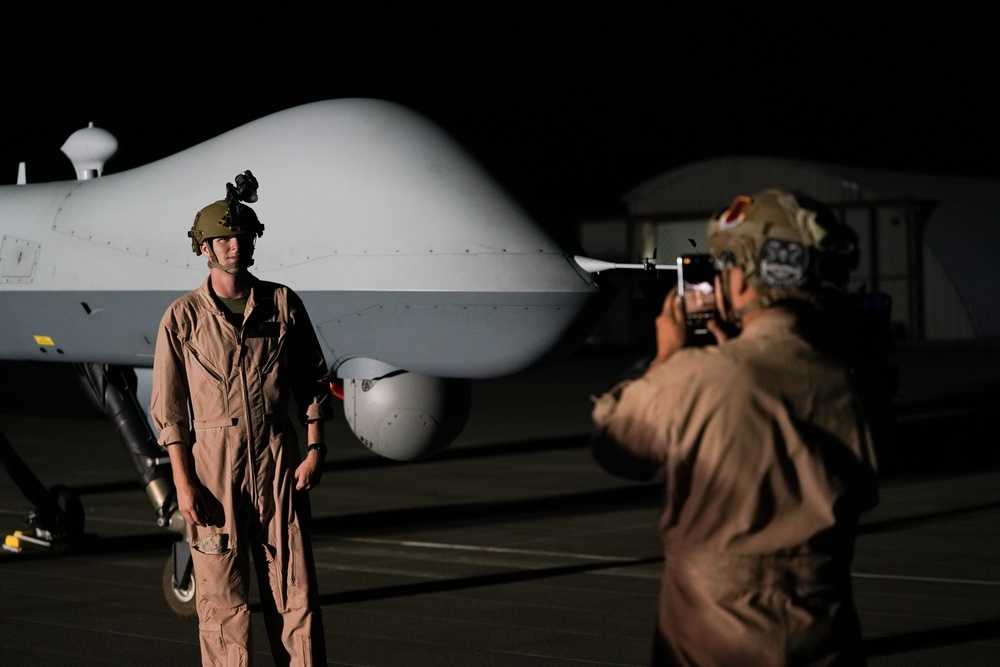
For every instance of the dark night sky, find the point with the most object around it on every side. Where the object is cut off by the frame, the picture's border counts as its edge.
(568, 107)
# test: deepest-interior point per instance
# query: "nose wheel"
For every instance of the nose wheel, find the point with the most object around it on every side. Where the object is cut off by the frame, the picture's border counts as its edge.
(179, 581)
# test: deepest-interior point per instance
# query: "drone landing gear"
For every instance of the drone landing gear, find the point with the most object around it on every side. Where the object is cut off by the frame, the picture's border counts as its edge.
(56, 519)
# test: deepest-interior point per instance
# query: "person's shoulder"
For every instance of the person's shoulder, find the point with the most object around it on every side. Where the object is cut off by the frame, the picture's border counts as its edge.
(691, 365)
(184, 303)
(271, 287)
(280, 294)
(713, 368)
(267, 284)
(183, 313)
(709, 358)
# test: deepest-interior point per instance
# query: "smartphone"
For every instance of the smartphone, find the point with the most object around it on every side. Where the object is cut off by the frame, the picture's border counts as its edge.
(696, 286)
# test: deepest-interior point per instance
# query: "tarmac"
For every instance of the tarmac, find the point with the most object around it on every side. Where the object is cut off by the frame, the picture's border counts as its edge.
(511, 548)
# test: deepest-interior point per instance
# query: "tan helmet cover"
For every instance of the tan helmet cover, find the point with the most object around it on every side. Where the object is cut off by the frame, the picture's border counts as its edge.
(215, 220)
(783, 240)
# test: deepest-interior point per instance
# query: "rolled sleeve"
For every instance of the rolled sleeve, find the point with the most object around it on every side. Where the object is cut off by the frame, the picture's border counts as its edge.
(168, 406)
(310, 380)
(171, 433)
(627, 438)
(319, 409)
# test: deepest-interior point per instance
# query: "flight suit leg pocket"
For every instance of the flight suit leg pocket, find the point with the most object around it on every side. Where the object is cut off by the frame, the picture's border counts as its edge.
(219, 582)
(305, 649)
(215, 652)
(213, 647)
(297, 577)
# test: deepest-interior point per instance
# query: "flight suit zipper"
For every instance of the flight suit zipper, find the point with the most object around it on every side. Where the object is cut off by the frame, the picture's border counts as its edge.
(251, 436)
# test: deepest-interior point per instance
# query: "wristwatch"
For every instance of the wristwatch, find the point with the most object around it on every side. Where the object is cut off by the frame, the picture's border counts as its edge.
(319, 447)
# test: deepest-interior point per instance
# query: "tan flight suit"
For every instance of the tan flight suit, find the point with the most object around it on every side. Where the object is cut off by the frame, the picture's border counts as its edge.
(238, 383)
(768, 463)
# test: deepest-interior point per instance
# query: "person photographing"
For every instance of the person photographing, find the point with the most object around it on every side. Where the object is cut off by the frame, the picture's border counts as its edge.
(764, 447)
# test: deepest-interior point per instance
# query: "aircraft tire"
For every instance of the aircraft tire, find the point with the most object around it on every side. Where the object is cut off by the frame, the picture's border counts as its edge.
(180, 600)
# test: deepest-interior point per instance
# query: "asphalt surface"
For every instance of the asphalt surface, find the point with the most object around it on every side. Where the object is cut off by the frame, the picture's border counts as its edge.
(512, 548)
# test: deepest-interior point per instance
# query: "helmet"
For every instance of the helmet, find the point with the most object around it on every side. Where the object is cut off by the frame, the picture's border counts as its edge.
(788, 245)
(228, 217)
(217, 220)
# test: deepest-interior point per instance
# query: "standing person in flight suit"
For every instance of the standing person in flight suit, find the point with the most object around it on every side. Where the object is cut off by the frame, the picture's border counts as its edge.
(764, 446)
(234, 352)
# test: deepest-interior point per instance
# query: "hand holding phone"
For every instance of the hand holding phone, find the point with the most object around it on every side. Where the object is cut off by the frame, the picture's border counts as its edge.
(696, 287)
(671, 334)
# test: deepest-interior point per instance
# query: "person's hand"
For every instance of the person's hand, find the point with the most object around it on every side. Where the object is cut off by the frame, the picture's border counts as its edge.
(191, 504)
(309, 472)
(671, 332)
(720, 334)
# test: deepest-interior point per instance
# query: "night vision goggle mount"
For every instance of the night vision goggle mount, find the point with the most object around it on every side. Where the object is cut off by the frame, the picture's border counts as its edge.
(229, 217)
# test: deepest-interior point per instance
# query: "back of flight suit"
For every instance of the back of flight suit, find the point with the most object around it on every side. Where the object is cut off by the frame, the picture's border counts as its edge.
(238, 382)
(768, 464)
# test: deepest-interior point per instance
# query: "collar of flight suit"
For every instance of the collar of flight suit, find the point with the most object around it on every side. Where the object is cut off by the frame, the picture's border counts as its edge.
(772, 323)
(258, 296)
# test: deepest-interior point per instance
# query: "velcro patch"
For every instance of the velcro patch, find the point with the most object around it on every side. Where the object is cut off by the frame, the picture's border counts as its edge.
(264, 330)
(783, 263)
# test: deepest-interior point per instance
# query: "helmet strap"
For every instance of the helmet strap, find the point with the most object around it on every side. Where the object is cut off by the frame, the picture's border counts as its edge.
(231, 269)
(732, 315)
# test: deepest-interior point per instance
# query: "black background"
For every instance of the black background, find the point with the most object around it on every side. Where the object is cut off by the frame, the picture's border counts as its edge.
(569, 107)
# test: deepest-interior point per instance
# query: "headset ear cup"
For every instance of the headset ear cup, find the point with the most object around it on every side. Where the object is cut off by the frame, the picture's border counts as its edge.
(195, 241)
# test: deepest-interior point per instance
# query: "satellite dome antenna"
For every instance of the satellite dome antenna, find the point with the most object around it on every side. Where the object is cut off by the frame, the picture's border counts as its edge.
(88, 149)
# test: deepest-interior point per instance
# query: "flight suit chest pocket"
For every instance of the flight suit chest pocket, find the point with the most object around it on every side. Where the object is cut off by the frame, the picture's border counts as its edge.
(207, 384)
(265, 341)
(204, 362)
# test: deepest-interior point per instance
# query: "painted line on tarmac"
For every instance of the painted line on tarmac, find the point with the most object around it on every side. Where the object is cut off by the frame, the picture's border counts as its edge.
(479, 549)
(593, 557)
(931, 580)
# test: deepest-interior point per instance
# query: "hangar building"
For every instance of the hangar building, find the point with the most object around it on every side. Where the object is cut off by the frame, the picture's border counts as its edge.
(932, 243)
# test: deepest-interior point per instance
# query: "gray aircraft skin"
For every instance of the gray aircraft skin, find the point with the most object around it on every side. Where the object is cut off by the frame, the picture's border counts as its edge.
(413, 263)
